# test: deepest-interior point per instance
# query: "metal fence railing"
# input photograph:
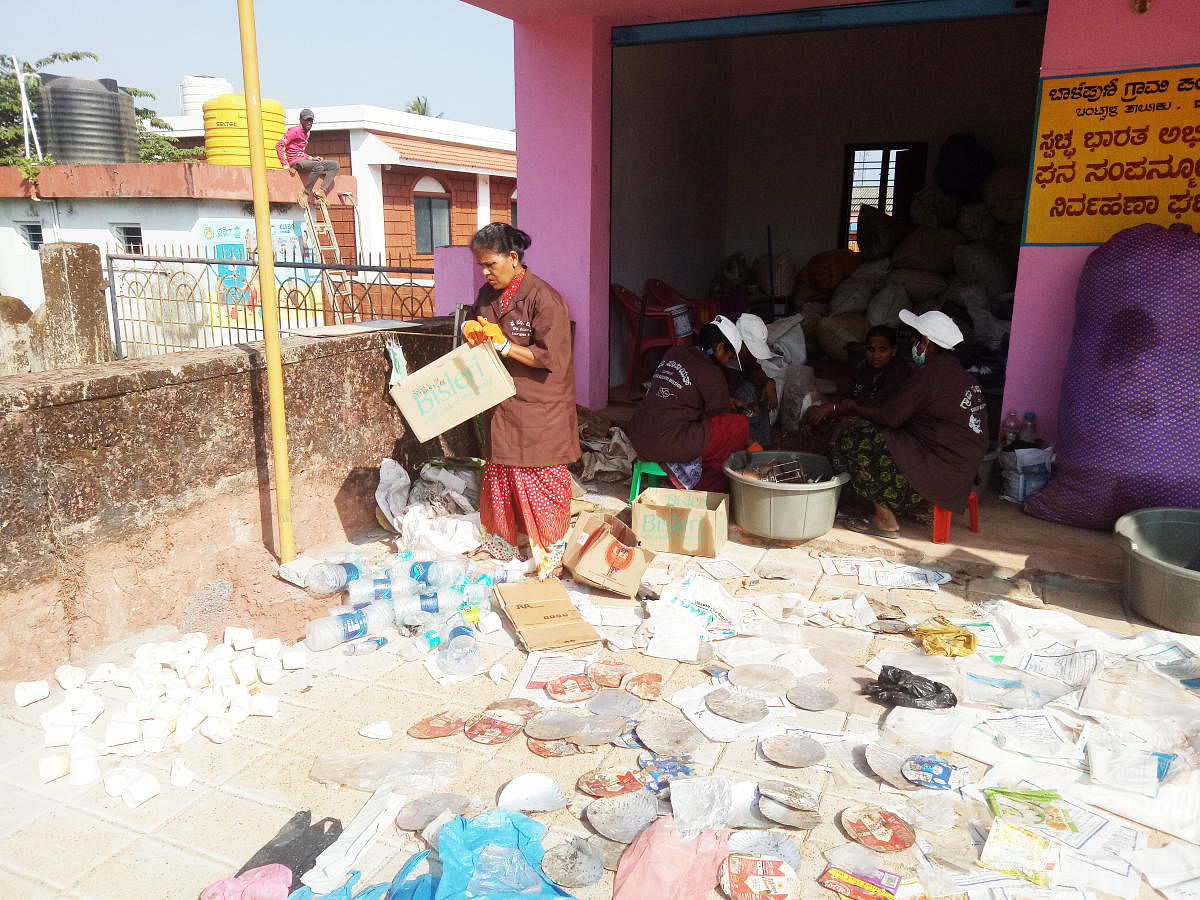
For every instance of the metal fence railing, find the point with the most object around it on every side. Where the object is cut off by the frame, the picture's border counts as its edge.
(162, 303)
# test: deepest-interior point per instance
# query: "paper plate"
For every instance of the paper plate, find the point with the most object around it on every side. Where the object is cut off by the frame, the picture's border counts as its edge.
(669, 737)
(810, 697)
(877, 828)
(531, 792)
(573, 864)
(609, 673)
(596, 730)
(553, 725)
(526, 708)
(934, 772)
(756, 877)
(555, 749)
(886, 760)
(736, 706)
(610, 782)
(766, 843)
(763, 679)
(436, 726)
(628, 737)
(791, 750)
(614, 703)
(610, 852)
(648, 686)
(414, 816)
(785, 815)
(789, 795)
(660, 771)
(494, 727)
(571, 688)
(623, 817)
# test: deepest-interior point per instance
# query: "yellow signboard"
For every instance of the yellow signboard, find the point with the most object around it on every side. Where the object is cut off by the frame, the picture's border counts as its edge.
(1112, 150)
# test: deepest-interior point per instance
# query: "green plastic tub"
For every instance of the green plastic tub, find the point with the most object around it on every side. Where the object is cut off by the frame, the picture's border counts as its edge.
(785, 512)
(1162, 566)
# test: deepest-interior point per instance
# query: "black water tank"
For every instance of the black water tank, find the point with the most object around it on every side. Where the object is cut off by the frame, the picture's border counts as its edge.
(82, 120)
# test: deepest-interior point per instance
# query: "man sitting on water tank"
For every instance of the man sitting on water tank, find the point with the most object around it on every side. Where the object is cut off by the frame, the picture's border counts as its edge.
(292, 156)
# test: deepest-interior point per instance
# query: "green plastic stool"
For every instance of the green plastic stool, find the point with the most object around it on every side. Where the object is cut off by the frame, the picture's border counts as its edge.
(650, 470)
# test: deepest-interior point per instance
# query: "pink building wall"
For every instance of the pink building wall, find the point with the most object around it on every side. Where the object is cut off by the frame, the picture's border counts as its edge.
(1081, 36)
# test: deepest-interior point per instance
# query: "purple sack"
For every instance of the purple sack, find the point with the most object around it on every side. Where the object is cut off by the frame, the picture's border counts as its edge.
(1129, 415)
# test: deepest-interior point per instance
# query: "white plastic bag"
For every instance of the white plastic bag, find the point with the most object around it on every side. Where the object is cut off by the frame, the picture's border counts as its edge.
(392, 493)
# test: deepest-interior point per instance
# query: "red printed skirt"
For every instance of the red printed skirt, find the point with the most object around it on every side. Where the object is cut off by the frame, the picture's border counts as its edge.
(535, 502)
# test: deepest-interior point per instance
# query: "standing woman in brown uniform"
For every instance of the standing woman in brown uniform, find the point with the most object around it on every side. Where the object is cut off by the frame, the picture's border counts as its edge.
(532, 436)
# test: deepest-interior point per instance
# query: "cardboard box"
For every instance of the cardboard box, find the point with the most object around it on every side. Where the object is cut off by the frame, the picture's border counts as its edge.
(694, 523)
(603, 552)
(543, 616)
(450, 390)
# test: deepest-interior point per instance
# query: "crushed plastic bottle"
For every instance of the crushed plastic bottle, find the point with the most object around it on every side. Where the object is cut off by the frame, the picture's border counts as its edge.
(328, 632)
(329, 578)
(370, 645)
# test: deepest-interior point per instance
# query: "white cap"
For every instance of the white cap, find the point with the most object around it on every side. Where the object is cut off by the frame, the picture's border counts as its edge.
(754, 335)
(935, 325)
(732, 335)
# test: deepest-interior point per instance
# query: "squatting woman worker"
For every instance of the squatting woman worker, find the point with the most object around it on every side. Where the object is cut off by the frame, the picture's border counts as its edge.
(686, 420)
(532, 436)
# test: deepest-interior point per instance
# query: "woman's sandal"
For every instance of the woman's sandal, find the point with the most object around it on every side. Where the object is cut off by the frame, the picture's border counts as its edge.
(867, 526)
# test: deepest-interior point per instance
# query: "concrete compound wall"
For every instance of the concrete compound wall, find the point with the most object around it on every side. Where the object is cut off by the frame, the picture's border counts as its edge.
(124, 486)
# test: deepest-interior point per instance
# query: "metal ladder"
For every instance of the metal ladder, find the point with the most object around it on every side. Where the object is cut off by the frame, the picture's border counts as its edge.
(338, 283)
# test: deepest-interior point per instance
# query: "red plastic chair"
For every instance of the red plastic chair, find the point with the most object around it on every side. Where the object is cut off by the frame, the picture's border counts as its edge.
(662, 294)
(648, 327)
(941, 519)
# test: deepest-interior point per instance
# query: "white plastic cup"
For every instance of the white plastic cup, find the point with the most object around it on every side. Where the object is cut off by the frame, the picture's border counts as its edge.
(239, 711)
(85, 768)
(119, 732)
(27, 692)
(56, 715)
(267, 648)
(239, 638)
(212, 704)
(270, 670)
(217, 729)
(221, 652)
(132, 749)
(244, 670)
(167, 711)
(197, 678)
(121, 675)
(264, 705)
(236, 693)
(53, 766)
(69, 677)
(140, 790)
(154, 735)
(103, 673)
(295, 657)
(194, 641)
(59, 735)
(181, 775)
(489, 623)
(145, 654)
(165, 652)
(89, 710)
(118, 779)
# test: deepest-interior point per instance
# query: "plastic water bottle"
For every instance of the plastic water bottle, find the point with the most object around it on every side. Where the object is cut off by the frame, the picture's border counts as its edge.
(370, 645)
(439, 573)
(329, 578)
(1010, 430)
(479, 596)
(328, 632)
(1029, 429)
(382, 586)
(459, 653)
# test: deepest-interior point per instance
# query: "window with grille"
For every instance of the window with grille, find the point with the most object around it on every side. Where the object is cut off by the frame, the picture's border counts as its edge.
(32, 233)
(433, 223)
(881, 175)
(129, 237)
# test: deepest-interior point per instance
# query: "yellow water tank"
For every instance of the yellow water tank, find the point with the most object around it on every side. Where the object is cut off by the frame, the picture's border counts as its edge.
(226, 142)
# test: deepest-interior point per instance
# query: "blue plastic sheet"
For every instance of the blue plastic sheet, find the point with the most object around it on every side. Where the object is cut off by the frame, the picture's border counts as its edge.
(462, 844)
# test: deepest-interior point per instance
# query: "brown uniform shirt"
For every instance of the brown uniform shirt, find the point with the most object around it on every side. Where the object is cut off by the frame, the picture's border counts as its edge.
(936, 430)
(671, 423)
(537, 427)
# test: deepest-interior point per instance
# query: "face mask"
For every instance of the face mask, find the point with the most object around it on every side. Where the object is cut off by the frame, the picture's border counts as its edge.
(918, 358)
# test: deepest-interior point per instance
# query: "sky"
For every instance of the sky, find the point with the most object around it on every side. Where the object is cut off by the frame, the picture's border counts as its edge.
(327, 53)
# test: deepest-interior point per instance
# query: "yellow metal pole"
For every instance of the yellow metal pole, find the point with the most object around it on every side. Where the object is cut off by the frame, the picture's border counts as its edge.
(266, 279)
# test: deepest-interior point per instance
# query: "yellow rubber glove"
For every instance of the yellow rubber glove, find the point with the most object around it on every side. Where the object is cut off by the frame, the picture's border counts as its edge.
(474, 333)
(493, 332)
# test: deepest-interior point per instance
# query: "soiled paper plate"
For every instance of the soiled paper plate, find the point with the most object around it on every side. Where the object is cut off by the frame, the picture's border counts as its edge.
(755, 877)
(610, 782)
(494, 726)
(811, 697)
(763, 679)
(417, 814)
(596, 730)
(886, 761)
(614, 703)
(526, 708)
(660, 771)
(555, 749)
(792, 750)
(789, 795)
(571, 688)
(648, 686)
(609, 673)
(785, 815)
(531, 792)
(623, 817)
(669, 737)
(610, 852)
(439, 725)
(553, 725)
(877, 828)
(573, 864)
(736, 706)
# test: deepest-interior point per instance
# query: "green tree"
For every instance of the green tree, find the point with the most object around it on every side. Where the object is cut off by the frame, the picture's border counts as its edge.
(420, 106)
(152, 146)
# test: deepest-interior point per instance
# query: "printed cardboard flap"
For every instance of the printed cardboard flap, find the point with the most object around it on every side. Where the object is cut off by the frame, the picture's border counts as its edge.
(451, 389)
(695, 523)
(603, 552)
(543, 616)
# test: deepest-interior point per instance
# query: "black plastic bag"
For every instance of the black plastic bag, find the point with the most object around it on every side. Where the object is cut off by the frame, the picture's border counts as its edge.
(899, 687)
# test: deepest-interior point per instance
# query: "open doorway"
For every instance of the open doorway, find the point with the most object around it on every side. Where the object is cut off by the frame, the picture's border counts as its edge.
(744, 144)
